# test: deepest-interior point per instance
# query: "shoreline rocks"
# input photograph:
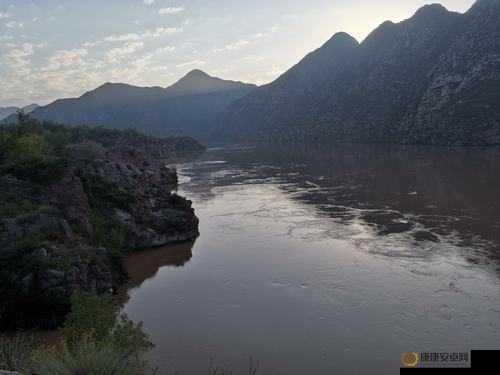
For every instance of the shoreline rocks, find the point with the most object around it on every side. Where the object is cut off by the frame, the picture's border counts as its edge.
(72, 234)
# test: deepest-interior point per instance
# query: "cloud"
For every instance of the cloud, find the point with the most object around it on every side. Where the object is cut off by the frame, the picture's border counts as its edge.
(14, 24)
(170, 10)
(19, 59)
(122, 38)
(191, 63)
(233, 46)
(237, 45)
(146, 61)
(161, 31)
(131, 37)
(4, 15)
(66, 59)
(117, 54)
(251, 39)
(149, 2)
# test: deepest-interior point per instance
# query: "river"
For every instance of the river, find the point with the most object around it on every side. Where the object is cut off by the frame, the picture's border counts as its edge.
(326, 261)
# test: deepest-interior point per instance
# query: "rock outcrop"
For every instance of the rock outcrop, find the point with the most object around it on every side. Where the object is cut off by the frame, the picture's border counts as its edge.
(70, 233)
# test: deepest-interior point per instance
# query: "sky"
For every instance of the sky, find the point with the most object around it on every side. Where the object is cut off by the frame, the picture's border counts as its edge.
(51, 49)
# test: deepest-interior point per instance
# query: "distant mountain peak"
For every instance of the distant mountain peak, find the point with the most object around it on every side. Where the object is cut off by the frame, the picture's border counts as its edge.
(199, 82)
(430, 10)
(113, 85)
(197, 73)
(30, 108)
(342, 39)
(343, 36)
(9, 111)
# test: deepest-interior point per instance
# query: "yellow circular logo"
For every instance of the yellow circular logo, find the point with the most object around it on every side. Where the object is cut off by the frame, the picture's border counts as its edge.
(410, 359)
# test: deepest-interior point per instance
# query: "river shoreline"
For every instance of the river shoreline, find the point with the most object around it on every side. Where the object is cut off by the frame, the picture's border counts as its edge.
(109, 193)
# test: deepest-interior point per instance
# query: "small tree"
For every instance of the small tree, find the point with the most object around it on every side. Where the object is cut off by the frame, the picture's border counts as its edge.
(29, 148)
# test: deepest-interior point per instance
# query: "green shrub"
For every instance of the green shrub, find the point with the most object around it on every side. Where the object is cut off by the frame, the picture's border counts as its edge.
(89, 357)
(97, 340)
(29, 148)
(90, 315)
(16, 352)
(98, 317)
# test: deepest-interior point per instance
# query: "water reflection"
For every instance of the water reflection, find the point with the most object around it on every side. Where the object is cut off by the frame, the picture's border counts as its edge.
(144, 265)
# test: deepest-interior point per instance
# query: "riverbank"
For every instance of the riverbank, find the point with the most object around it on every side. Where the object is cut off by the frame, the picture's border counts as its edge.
(73, 202)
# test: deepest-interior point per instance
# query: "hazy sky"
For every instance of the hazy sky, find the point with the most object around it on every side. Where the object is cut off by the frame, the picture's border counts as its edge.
(59, 48)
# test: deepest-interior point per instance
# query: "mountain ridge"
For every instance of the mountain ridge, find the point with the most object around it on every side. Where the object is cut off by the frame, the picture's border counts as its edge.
(190, 107)
(11, 110)
(390, 87)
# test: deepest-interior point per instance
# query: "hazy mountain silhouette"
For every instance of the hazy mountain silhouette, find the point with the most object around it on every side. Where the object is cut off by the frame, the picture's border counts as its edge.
(433, 79)
(191, 107)
(8, 111)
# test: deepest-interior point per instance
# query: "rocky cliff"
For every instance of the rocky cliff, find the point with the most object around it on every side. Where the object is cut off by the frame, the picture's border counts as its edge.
(65, 226)
(431, 79)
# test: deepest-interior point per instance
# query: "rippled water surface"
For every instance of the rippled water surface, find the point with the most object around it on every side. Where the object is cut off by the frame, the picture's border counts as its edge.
(326, 261)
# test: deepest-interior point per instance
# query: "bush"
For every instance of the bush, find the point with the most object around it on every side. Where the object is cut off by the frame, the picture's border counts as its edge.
(87, 358)
(90, 315)
(16, 351)
(96, 340)
(28, 149)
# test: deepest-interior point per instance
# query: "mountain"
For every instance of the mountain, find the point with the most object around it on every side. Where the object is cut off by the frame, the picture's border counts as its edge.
(191, 107)
(296, 97)
(30, 108)
(8, 111)
(461, 103)
(198, 82)
(431, 79)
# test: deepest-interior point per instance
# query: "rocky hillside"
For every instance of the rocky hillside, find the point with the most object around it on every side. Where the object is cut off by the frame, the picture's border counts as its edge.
(73, 201)
(191, 107)
(431, 79)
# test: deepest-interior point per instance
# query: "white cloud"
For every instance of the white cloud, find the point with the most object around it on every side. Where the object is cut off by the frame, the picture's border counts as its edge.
(122, 38)
(66, 59)
(4, 15)
(233, 46)
(14, 24)
(130, 37)
(170, 10)
(161, 31)
(149, 2)
(191, 63)
(19, 59)
(237, 45)
(117, 54)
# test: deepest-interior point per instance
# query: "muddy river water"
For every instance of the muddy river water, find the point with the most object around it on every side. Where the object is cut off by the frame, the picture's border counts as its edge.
(326, 261)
